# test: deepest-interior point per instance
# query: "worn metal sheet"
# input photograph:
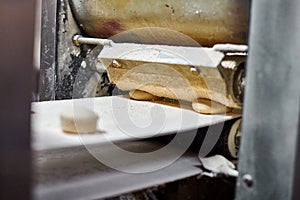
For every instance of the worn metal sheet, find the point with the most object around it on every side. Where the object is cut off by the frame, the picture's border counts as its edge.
(271, 112)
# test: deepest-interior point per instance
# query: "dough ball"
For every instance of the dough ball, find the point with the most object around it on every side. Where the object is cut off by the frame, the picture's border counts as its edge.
(78, 119)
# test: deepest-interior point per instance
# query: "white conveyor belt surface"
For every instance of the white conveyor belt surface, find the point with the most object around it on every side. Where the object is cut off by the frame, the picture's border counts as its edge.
(120, 119)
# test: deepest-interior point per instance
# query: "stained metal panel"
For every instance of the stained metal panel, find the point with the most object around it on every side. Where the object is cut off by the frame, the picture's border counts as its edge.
(207, 22)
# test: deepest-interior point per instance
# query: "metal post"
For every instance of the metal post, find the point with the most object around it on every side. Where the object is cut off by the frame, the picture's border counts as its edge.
(48, 50)
(17, 30)
(271, 113)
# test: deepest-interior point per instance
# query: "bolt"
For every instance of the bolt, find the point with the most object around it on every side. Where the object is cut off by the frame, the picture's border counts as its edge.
(195, 70)
(248, 180)
(116, 64)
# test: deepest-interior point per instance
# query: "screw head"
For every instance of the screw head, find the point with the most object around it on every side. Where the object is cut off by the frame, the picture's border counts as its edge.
(248, 180)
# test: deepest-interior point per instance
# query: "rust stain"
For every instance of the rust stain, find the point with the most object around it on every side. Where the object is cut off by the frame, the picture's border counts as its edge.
(110, 28)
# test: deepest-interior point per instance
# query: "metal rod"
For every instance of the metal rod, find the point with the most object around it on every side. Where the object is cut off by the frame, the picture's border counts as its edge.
(78, 40)
(227, 48)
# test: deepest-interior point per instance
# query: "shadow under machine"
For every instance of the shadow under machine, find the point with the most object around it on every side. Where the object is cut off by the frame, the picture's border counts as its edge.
(187, 54)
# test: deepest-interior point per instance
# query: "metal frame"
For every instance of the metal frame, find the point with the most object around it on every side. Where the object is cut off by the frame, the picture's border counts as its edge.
(270, 144)
(17, 20)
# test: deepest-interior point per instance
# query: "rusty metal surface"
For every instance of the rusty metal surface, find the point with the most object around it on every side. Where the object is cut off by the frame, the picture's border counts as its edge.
(207, 22)
(17, 36)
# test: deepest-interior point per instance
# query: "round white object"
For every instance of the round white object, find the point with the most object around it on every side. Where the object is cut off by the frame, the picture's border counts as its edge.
(78, 120)
(234, 131)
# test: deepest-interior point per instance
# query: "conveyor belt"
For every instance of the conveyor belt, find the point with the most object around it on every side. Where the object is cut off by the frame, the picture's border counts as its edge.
(121, 119)
(75, 174)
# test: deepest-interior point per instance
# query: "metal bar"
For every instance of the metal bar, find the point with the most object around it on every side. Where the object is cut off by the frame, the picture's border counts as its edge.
(271, 111)
(17, 20)
(78, 40)
(227, 48)
(48, 50)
